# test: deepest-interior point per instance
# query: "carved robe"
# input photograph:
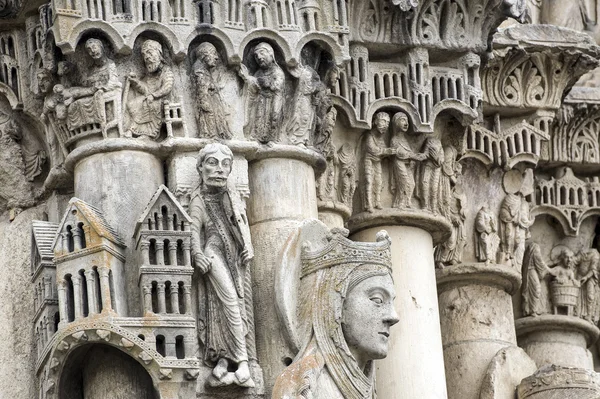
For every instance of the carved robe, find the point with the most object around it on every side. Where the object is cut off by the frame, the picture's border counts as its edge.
(302, 121)
(217, 235)
(430, 174)
(403, 178)
(145, 115)
(487, 241)
(211, 111)
(87, 107)
(534, 270)
(374, 152)
(265, 104)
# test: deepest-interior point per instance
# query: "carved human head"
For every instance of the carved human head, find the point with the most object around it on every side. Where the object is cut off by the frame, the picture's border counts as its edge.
(332, 76)
(264, 55)
(207, 53)
(152, 53)
(94, 48)
(354, 298)
(567, 258)
(382, 122)
(400, 122)
(214, 165)
(45, 81)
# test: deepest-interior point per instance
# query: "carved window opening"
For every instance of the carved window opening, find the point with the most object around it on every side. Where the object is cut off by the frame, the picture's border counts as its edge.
(81, 239)
(14, 81)
(342, 85)
(179, 347)
(471, 76)
(111, 285)
(386, 85)
(354, 103)
(363, 105)
(572, 198)
(175, 223)
(70, 242)
(361, 69)
(2, 46)
(152, 252)
(163, 218)
(167, 253)
(70, 298)
(160, 345)
(377, 85)
(56, 320)
(142, 337)
(279, 13)
(418, 73)
(459, 89)
(180, 291)
(85, 307)
(563, 196)
(396, 84)
(168, 293)
(306, 22)
(263, 12)
(154, 297)
(11, 47)
(97, 290)
(573, 218)
(580, 196)
(180, 254)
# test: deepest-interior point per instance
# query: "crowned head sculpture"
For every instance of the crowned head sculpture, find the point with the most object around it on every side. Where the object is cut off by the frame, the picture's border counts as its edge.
(345, 312)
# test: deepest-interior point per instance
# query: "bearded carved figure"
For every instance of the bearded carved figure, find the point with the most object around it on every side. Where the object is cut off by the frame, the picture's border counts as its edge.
(222, 254)
(347, 318)
(147, 94)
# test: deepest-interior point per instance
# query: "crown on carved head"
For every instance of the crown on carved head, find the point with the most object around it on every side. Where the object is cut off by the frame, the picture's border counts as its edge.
(340, 250)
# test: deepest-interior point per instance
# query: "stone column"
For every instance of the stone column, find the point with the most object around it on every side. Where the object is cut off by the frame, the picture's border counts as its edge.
(187, 256)
(173, 253)
(162, 300)
(77, 295)
(414, 367)
(160, 253)
(62, 301)
(187, 299)
(105, 289)
(282, 195)
(90, 278)
(145, 247)
(174, 294)
(476, 314)
(147, 298)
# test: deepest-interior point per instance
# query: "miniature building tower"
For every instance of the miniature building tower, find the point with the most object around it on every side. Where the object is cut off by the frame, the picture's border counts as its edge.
(43, 277)
(163, 240)
(89, 265)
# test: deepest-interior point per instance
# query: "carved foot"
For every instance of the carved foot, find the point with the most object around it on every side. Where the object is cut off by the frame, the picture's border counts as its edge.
(243, 372)
(220, 369)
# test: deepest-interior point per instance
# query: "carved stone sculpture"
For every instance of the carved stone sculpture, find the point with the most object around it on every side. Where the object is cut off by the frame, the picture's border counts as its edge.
(326, 112)
(86, 102)
(450, 252)
(587, 274)
(349, 313)
(147, 94)
(212, 112)
(265, 96)
(374, 151)
(487, 240)
(564, 287)
(222, 256)
(347, 164)
(302, 122)
(534, 272)
(403, 179)
(326, 182)
(430, 174)
(49, 110)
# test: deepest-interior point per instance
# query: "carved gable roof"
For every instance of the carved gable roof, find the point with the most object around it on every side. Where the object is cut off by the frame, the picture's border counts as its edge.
(42, 234)
(162, 195)
(95, 218)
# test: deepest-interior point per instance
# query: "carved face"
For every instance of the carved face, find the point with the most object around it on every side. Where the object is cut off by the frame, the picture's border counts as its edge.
(44, 83)
(368, 314)
(263, 57)
(210, 57)
(94, 49)
(568, 258)
(402, 123)
(216, 169)
(151, 59)
(382, 124)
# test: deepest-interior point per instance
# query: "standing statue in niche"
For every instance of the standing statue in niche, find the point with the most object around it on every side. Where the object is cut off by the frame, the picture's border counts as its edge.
(326, 182)
(222, 256)
(51, 101)
(430, 172)
(349, 314)
(450, 172)
(450, 252)
(302, 122)
(211, 111)
(265, 96)
(86, 102)
(374, 151)
(326, 112)
(145, 105)
(587, 273)
(403, 175)
(534, 271)
(347, 162)
(487, 240)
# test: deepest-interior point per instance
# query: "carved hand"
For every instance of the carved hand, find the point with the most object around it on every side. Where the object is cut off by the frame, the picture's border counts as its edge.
(203, 263)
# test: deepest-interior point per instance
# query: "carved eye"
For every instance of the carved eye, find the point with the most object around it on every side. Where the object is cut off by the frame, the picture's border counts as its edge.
(377, 300)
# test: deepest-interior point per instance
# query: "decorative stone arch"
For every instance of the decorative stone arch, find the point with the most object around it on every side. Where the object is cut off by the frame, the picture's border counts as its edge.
(79, 30)
(214, 35)
(327, 42)
(160, 370)
(459, 110)
(348, 110)
(7, 92)
(559, 216)
(169, 38)
(273, 38)
(399, 105)
(587, 214)
(530, 160)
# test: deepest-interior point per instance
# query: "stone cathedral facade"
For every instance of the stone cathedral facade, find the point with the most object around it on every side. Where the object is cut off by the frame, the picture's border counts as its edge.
(326, 199)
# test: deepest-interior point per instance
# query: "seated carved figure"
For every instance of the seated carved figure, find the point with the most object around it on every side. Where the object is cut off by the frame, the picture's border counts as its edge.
(347, 315)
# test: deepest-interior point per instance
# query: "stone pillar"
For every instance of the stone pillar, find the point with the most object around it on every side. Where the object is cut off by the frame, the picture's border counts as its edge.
(160, 253)
(105, 289)
(147, 298)
(78, 238)
(477, 320)
(174, 294)
(162, 300)
(282, 195)
(145, 247)
(62, 300)
(173, 253)
(90, 278)
(558, 339)
(187, 299)
(414, 367)
(187, 255)
(77, 294)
